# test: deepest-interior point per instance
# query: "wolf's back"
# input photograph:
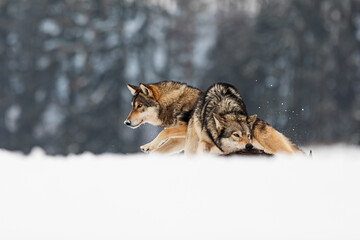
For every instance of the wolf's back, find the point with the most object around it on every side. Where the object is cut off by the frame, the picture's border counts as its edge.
(176, 102)
(221, 98)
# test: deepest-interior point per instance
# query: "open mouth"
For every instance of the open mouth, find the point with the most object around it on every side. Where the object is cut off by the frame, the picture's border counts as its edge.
(137, 125)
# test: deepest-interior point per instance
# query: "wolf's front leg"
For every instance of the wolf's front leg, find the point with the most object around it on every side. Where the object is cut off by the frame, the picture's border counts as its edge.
(173, 145)
(150, 146)
(204, 147)
(178, 131)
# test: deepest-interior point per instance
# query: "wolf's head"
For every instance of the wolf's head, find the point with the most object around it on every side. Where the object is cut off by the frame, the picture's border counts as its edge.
(144, 105)
(234, 132)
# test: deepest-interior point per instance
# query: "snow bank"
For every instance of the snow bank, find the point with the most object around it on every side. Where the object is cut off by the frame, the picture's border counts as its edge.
(161, 197)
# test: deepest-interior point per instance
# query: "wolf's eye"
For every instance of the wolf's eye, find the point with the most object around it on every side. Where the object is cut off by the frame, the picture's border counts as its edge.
(236, 135)
(140, 105)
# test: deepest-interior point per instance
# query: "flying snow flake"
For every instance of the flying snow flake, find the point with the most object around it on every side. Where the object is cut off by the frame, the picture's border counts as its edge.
(271, 81)
(50, 27)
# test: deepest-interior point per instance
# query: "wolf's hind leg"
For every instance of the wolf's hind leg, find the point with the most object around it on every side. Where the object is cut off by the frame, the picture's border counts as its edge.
(178, 131)
(204, 147)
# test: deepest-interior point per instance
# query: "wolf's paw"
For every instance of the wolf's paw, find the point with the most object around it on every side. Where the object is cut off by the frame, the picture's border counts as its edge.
(147, 148)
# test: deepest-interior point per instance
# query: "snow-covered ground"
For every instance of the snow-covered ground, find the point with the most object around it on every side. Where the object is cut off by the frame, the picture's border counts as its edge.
(160, 197)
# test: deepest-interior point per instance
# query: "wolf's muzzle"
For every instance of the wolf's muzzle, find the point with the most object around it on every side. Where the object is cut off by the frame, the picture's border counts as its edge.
(127, 122)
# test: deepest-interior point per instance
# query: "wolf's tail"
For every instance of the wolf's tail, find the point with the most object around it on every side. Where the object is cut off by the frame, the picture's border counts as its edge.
(295, 148)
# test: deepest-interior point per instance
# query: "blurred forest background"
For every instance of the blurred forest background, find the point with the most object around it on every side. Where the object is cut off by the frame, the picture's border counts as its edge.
(65, 63)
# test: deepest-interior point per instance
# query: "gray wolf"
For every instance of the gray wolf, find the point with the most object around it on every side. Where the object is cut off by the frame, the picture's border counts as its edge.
(165, 104)
(220, 124)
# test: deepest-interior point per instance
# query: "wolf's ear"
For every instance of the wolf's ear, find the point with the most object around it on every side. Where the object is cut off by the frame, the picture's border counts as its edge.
(251, 120)
(132, 88)
(219, 121)
(148, 90)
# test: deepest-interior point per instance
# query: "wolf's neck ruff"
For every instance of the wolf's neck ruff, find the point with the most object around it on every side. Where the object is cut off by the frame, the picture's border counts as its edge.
(217, 141)
(174, 102)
